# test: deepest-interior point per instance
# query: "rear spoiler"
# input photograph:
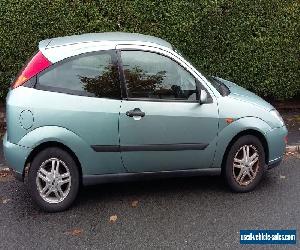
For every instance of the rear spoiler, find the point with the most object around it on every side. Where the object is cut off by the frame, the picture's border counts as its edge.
(44, 44)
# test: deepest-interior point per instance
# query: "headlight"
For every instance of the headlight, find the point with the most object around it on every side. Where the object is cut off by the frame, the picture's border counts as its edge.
(276, 114)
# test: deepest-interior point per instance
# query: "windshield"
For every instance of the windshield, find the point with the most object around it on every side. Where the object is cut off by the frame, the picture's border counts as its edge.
(218, 85)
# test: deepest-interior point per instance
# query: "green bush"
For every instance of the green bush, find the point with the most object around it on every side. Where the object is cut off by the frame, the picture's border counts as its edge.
(253, 43)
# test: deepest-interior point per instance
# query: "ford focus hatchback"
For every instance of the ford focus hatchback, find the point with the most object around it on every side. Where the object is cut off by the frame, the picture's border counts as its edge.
(106, 107)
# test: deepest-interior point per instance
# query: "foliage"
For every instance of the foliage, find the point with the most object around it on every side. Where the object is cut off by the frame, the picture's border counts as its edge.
(253, 43)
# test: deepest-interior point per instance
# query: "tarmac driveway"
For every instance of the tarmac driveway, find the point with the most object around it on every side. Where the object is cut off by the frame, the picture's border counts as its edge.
(196, 212)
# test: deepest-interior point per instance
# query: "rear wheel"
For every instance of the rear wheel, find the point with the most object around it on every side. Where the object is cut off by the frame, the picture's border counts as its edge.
(245, 164)
(53, 179)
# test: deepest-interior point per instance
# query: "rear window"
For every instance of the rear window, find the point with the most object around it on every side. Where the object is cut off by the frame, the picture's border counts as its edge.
(90, 74)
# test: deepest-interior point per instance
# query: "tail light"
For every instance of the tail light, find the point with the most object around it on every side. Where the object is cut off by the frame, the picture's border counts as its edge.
(37, 63)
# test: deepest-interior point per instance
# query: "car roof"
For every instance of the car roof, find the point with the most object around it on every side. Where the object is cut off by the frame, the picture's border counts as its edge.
(100, 37)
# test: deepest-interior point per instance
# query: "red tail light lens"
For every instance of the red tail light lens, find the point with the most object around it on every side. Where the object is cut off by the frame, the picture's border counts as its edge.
(37, 63)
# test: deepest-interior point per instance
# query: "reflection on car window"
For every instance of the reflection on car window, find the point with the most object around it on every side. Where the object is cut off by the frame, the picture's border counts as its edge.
(95, 75)
(150, 75)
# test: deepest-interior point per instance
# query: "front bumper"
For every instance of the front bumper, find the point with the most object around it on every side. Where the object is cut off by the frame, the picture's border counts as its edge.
(274, 163)
(15, 156)
(277, 145)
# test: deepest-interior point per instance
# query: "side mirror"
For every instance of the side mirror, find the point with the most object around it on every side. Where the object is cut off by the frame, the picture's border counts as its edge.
(203, 96)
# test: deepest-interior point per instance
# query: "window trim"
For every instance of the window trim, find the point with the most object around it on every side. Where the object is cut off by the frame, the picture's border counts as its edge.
(112, 52)
(124, 84)
(124, 93)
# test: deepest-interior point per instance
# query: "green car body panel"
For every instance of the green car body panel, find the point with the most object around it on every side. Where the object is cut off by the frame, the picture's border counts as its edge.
(106, 141)
(76, 126)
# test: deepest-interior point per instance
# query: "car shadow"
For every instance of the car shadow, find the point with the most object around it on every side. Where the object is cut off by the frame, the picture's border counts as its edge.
(150, 188)
(162, 189)
(164, 192)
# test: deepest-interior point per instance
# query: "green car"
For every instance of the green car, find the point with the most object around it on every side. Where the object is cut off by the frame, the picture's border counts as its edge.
(108, 107)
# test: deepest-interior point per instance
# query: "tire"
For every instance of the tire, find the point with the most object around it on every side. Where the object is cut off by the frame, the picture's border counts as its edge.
(53, 179)
(244, 175)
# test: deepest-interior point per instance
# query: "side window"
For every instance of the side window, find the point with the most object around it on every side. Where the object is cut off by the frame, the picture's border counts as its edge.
(91, 74)
(150, 75)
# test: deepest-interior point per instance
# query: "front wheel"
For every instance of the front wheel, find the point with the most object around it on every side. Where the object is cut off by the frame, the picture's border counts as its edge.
(245, 164)
(53, 179)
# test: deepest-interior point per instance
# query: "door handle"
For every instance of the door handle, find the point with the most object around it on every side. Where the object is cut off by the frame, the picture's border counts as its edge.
(135, 112)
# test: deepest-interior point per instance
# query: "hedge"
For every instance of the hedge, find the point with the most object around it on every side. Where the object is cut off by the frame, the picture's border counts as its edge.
(253, 43)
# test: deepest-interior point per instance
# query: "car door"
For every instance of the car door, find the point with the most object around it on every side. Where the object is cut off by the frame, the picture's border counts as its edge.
(162, 125)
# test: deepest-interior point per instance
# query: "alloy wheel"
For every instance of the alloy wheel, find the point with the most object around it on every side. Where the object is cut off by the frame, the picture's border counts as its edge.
(245, 165)
(53, 180)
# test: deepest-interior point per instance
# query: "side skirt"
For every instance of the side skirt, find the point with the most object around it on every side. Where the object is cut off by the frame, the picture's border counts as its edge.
(123, 177)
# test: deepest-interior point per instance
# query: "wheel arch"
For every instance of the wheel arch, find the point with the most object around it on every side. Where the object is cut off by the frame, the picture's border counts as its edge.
(253, 132)
(48, 144)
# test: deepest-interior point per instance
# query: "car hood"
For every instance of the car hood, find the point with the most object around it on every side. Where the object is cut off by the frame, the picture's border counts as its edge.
(245, 95)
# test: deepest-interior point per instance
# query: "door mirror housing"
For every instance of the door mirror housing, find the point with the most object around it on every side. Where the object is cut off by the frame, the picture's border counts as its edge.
(202, 95)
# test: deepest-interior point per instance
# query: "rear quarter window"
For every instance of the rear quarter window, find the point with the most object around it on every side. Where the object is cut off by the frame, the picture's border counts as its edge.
(93, 75)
